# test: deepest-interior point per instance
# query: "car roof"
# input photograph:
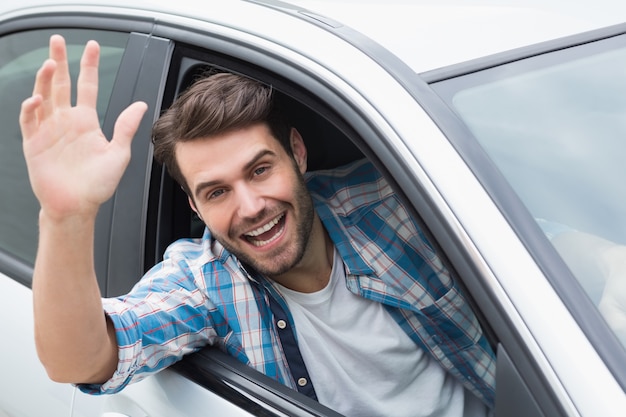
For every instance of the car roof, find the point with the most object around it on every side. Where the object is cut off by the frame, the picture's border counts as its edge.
(426, 34)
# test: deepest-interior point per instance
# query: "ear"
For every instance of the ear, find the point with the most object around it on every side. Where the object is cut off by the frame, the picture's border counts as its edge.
(298, 149)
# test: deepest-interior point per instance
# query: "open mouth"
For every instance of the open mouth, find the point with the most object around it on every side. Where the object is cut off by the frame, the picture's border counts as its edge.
(267, 233)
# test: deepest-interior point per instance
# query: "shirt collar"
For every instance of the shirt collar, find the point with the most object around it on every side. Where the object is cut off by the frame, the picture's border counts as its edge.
(352, 259)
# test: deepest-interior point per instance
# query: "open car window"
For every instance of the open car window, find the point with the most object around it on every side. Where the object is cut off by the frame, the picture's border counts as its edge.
(330, 141)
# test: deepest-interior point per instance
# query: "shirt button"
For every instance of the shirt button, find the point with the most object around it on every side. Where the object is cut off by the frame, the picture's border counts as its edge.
(302, 381)
(281, 324)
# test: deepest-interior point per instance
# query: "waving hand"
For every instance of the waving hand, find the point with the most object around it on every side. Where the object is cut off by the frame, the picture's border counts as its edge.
(73, 168)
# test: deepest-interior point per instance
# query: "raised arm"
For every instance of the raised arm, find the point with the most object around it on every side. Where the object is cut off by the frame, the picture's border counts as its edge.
(73, 169)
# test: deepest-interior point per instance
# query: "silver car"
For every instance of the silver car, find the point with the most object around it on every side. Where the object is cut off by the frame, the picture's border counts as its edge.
(494, 120)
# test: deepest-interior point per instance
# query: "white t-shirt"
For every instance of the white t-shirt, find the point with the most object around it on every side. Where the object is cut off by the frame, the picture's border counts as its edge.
(362, 363)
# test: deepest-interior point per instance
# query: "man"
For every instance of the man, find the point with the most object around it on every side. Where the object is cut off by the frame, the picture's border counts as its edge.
(323, 282)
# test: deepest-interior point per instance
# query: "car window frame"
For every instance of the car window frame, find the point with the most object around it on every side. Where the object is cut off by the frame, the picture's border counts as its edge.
(200, 49)
(249, 389)
(170, 217)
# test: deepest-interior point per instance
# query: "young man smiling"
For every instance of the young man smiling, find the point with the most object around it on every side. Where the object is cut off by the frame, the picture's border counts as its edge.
(256, 203)
(321, 281)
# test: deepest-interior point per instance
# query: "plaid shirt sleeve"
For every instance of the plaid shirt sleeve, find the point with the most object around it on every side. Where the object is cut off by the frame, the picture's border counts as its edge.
(165, 316)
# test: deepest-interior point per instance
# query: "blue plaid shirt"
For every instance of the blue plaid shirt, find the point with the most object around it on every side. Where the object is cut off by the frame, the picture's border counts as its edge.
(201, 295)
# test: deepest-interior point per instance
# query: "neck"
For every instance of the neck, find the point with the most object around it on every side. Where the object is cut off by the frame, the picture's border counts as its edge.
(312, 273)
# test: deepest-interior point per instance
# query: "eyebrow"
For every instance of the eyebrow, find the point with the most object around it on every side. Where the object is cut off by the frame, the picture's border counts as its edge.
(206, 184)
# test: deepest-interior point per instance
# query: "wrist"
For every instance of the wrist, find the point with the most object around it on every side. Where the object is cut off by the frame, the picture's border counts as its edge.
(77, 219)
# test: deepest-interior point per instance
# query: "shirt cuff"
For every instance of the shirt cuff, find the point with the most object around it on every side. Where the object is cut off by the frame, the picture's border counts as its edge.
(129, 350)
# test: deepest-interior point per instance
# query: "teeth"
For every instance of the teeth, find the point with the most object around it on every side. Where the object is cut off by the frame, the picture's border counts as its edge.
(265, 228)
(259, 243)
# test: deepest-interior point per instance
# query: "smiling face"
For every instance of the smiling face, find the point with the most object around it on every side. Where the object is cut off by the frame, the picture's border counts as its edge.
(251, 195)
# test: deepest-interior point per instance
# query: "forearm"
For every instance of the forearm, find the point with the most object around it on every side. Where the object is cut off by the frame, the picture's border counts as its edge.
(73, 340)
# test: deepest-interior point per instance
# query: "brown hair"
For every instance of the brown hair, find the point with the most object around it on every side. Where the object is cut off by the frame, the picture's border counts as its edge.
(213, 105)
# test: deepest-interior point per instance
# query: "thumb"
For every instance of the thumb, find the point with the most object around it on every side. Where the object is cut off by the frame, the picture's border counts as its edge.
(128, 122)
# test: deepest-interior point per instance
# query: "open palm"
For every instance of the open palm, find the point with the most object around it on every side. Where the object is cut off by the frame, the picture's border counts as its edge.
(72, 166)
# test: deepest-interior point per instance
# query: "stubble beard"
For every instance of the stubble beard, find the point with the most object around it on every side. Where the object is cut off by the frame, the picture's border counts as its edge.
(274, 264)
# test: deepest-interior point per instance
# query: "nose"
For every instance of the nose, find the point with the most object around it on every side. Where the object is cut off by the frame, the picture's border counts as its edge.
(250, 203)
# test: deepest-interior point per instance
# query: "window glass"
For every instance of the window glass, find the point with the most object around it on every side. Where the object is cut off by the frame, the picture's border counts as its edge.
(21, 55)
(555, 126)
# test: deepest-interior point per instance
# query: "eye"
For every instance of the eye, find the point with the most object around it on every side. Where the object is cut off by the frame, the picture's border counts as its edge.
(261, 170)
(215, 194)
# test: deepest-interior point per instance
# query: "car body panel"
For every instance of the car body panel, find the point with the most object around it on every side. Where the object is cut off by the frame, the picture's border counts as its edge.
(23, 375)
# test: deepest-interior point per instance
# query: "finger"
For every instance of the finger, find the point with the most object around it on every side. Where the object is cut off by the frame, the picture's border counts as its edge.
(127, 124)
(28, 116)
(87, 87)
(43, 88)
(61, 82)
